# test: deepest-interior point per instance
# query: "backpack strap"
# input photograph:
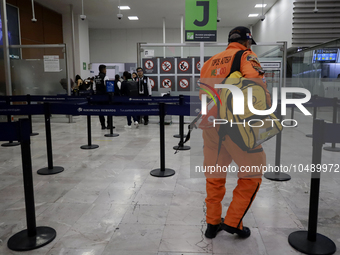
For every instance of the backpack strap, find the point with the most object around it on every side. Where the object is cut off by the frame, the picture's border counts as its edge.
(236, 66)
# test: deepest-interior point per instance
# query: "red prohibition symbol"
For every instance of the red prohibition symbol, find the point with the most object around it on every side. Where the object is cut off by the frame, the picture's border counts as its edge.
(166, 66)
(183, 83)
(183, 66)
(152, 82)
(166, 83)
(149, 64)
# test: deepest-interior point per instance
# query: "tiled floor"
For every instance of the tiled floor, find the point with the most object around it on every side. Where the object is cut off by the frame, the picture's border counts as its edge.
(107, 203)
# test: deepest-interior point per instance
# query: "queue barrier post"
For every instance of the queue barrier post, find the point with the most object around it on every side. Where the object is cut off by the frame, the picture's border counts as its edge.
(89, 144)
(314, 116)
(162, 171)
(50, 169)
(30, 116)
(335, 115)
(311, 242)
(278, 175)
(181, 146)
(33, 237)
(110, 120)
(9, 119)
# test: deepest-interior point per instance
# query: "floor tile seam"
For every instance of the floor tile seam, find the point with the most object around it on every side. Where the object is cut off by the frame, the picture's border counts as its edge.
(290, 208)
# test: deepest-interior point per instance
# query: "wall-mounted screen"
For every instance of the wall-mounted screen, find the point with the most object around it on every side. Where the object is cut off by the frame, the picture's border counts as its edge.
(326, 55)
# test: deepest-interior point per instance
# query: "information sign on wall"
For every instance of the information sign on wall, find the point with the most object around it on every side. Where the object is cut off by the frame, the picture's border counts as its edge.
(200, 20)
(51, 64)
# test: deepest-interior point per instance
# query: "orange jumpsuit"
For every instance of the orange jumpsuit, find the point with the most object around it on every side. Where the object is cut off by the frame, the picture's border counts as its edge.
(218, 67)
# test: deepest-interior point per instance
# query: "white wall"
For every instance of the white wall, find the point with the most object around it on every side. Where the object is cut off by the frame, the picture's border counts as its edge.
(278, 24)
(120, 45)
(67, 32)
(82, 46)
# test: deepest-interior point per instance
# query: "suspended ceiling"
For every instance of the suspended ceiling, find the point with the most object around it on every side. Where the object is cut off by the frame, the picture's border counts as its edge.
(103, 13)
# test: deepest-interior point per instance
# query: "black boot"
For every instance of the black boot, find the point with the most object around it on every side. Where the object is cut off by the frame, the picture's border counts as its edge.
(243, 233)
(212, 230)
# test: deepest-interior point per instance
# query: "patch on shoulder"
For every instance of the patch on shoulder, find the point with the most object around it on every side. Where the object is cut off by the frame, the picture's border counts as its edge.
(252, 58)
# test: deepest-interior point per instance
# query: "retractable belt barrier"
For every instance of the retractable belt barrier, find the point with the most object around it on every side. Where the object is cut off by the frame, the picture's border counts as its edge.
(33, 237)
(311, 242)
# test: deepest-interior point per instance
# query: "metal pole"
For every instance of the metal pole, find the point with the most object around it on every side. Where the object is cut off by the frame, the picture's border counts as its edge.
(48, 135)
(162, 139)
(182, 35)
(164, 36)
(201, 54)
(335, 114)
(73, 41)
(89, 140)
(6, 48)
(28, 182)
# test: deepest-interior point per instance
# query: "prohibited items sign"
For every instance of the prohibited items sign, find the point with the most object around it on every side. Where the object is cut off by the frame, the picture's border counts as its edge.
(183, 66)
(183, 83)
(149, 64)
(167, 65)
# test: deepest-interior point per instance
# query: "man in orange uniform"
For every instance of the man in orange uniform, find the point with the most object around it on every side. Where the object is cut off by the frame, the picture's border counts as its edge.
(215, 70)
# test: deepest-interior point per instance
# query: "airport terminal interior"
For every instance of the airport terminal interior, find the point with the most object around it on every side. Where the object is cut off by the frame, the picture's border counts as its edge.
(106, 201)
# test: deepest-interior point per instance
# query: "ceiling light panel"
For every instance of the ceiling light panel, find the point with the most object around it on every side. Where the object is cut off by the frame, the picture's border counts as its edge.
(132, 17)
(260, 5)
(253, 15)
(124, 7)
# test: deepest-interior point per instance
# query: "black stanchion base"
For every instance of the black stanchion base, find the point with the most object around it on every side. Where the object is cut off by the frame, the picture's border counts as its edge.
(22, 242)
(10, 144)
(33, 134)
(322, 246)
(178, 136)
(111, 135)
(181, 148)
(89, 147)
(309, 136)
(335, 149)
(159, 173)
(47, 171)
(280, 177)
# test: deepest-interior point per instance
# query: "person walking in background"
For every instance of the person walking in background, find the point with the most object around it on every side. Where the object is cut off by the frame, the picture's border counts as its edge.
(129, 88)
(100, 89)
(144, 88)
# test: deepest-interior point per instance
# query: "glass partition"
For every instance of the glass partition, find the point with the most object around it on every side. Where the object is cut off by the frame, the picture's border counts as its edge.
(39, 70)
(176, 67)
(317, 69)
(2, 73)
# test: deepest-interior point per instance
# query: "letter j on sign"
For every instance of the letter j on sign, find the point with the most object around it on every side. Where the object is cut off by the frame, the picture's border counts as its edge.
(200, 20)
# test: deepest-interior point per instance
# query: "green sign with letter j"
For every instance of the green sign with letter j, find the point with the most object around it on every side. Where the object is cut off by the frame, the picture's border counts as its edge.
(200, 20)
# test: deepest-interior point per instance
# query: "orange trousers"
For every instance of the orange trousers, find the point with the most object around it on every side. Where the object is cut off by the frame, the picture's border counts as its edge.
(248, 183)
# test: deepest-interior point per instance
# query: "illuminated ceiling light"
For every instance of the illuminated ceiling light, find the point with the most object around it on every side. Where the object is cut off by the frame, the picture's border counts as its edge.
(124, 7)
(253, 15)
(260, 5)
(132, 17)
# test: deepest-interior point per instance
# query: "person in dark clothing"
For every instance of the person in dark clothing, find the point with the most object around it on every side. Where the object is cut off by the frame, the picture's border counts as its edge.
(129, 88)
(100, 89)
(144, 88)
